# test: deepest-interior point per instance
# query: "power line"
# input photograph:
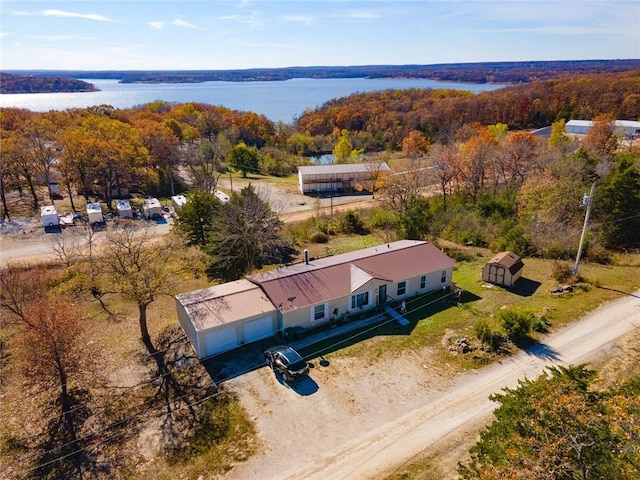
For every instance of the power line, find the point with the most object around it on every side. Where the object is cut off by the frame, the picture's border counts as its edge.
(127, 419)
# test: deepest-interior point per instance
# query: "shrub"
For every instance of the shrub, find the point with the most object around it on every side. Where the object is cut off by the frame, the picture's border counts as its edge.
(516, 324)
(318, 237)
(561, 271)
(489, 338)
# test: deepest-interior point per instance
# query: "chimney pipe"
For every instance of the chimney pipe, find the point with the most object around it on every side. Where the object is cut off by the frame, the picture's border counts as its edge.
(306, 256)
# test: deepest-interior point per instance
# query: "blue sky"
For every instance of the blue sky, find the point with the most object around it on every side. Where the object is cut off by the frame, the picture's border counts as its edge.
(220, 34)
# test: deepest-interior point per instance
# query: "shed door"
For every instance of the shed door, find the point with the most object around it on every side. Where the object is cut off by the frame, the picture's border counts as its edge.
(220, 340)
(496, 274)
(257, 329)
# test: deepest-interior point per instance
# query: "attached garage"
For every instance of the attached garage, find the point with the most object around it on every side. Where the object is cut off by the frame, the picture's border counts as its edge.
(503, 269)
(220, 318)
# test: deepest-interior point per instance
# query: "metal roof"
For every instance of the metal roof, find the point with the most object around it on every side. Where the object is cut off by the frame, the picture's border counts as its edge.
(343, 168)
(509, 260)
(224, 303)
(327, 278)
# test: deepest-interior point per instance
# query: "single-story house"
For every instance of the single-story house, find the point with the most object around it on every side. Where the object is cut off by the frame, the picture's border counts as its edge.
(503, 269)
(337, 178)
(310, 294)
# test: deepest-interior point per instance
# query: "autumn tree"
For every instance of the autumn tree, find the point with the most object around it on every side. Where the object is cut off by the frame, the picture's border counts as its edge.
(602, 140)
(54, 357)
(247, 237)
(41, 145)
(415, 145)
(162, 145)
(141, 268)
(443, 170)
(475, 157)
(102, 150)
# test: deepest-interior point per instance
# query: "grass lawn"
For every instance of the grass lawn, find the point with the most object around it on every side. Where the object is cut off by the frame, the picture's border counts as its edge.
(436, 317)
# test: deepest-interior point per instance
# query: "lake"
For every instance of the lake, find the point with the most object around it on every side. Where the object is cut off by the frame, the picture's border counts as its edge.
(277, 100)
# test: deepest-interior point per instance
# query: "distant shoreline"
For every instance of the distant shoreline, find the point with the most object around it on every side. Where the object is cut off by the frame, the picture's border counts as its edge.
(476, 73)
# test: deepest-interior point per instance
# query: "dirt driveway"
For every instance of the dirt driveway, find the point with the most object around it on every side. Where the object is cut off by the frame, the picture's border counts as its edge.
(354, 421)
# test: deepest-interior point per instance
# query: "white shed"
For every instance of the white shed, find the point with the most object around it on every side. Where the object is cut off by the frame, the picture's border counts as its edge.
(336, 178)
(124, 209)
(225, 316)
(151, 208)
(178, 201)
(94, 212)
(49, 216)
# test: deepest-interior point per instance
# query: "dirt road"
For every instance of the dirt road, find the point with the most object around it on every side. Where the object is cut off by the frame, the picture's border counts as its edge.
(327, 437)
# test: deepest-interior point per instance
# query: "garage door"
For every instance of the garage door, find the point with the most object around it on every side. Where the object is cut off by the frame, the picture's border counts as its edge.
(220, 340)
(257, 329)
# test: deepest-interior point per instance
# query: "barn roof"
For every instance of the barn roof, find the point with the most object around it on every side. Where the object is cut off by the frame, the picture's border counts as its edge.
(509, 260)
(343, 168)
(338, 276)
(224, 303)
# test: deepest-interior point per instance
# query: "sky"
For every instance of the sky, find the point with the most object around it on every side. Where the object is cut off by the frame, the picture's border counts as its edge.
(238, 34)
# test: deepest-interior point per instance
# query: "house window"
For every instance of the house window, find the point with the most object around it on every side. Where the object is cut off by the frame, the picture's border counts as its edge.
(402, 288)
(360, 300)
(318, 312)
(444, 276)
(423, 281)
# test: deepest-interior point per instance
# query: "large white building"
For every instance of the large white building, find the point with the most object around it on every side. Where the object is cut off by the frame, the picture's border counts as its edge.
(338, 178)
(627, 128)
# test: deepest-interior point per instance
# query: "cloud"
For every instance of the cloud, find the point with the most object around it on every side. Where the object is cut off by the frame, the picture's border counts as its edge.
(86, 16)
(305, 19)
(359, 15)
(183, 23)
(157, 25)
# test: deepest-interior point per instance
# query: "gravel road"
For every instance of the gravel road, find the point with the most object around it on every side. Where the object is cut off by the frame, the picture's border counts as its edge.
(360, 422)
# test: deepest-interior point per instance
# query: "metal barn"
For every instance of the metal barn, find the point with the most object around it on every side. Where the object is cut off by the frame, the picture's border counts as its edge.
(337, 178)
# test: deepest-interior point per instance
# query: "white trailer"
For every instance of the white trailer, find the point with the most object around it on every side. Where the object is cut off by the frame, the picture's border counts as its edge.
(124, 209)
(94, 212)
(223, 197)
(49, 216)
(178, 201)
(151, 208)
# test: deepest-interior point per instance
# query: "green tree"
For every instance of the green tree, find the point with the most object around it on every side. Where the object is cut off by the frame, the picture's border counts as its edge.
(247, 236)
(416, 219)
(244, 158)
(554, 427)
(197, 217)
(616, 202)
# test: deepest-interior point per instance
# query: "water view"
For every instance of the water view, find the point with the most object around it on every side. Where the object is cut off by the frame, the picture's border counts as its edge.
(279, 101)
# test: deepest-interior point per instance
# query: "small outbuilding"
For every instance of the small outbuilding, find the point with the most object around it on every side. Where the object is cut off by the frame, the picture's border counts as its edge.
(503, 269)
(49, 216)
(124, 209)
(94, 212)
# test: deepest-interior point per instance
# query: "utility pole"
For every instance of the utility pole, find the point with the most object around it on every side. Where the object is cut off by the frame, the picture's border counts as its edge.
(586, 200)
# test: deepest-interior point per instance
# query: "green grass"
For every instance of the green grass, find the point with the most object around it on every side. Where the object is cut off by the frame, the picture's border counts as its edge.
(433, 316)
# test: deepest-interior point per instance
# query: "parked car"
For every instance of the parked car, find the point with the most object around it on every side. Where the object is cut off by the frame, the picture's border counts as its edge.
(286, 361)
